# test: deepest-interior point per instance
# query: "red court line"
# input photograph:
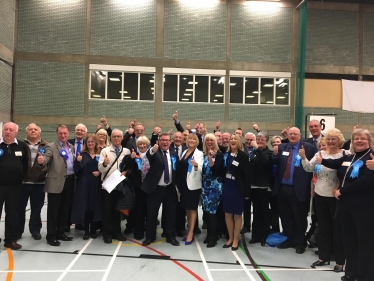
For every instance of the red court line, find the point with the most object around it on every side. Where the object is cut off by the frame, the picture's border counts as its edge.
(174, 261)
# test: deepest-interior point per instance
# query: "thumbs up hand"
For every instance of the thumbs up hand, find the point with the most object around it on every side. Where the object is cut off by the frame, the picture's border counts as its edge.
(370, 163)
(194, 163)
(133, 154)
(302, 152)
(155, 147)
(175, 116)
(275, 152)
(106, 160)
(79, 157)
(40, 158)
(319, 158)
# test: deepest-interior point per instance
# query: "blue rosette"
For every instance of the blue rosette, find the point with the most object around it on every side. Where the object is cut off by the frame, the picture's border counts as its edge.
(64, 154)
(189, 166)
(298, 160)
(317, 168)
(1, 152)
(97, 157)
(174, 162)
(139, 162)
(42, 150)
(356, 167)
(225, 159)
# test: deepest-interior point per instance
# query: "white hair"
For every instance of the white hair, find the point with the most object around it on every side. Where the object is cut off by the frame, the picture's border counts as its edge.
(39, 129)
(82, 125)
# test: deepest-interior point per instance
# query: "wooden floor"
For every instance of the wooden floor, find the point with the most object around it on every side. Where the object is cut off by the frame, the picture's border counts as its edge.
(93, 260)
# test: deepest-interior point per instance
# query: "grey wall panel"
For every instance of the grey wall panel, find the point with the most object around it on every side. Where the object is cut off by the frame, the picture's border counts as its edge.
(7, 20)
(263, 36)
(193, 33)
(49, 88)
(5, 87)
(342, 116)
(122, 28)
(259, 113)
(52, 26)
(368, 52)
(120, 109)
(193, 111)
(332, 37)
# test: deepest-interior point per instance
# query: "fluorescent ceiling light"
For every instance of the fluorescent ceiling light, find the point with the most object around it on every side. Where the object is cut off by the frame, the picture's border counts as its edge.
(126, 97)
(214, 100)
(214, 79)
(152, 88)
(193, 82)
(189, 90)
(218, 96)
(186, 94)
(268, 85)
(92, 91)
(151, 81)
(186, 99)
(281, 97)
(153, 93)
(279, 81)
(232, 84)
(97, 72)
(269, 102)
(96, 96)
(249, 97)
(101, 77)
(114, 79)
(184, 78)
(255, 92)
(123, 92)
(103, 72)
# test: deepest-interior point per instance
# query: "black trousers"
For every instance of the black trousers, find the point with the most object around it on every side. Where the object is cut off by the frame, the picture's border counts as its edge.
(328, 229)
(261, 220)
(212, 224)
(293, 214)
(357, 231)
(10, 196)
(274, 215)
(138, 214)
(59, 205)
(167, 196)
(247, 213)
(37, 195)
(111, 222)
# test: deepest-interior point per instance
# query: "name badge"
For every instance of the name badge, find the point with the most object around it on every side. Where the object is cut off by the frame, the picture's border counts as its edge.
(347, 164)
(286, 153)
(235, 163)
(18, 153)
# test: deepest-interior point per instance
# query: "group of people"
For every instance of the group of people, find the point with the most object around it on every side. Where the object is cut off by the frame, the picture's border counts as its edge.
(228, 174)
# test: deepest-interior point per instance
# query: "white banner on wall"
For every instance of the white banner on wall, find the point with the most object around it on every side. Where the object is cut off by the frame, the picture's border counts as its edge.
(358, 96)
(327, 122)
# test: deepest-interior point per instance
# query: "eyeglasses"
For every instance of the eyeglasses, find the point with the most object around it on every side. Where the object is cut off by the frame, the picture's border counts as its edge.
(293, 134)
(360, 139)
(164, 140)
(116, 137)
(90, 141)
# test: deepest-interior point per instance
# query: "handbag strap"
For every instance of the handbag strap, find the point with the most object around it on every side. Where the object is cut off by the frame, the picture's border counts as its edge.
(113, 164)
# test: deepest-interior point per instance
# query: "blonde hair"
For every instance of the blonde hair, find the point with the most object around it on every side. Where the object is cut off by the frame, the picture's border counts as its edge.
(336, 133)
(102, 131)
(143, 139)
(240, 144)
(193, 136)
(210, 136)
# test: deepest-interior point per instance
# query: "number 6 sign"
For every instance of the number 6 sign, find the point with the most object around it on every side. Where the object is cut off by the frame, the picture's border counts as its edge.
(327, 122)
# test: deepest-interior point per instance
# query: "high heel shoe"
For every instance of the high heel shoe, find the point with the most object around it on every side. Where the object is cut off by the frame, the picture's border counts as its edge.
(188, 242)
(227, 246)
(320, 263)
(234, 248)
(338, 268)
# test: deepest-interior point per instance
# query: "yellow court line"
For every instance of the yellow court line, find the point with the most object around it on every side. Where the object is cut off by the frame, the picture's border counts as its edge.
(9, 275)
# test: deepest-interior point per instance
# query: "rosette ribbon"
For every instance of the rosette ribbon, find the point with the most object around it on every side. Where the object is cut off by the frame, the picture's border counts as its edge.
(225, 159)
(189, 166)
(356, 167)
(97, 157)
(174, 162)
(317, 168)
(139, 162)
(64, 154)
(42, 150)
(298, 160)
(1, 152)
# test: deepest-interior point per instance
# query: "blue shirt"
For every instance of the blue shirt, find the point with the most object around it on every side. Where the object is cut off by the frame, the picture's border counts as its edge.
(295, 152)
(69, 161)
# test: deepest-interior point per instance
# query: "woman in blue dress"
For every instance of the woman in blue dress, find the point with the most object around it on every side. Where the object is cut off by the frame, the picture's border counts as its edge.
(211, 195)
(236, 189)
(86, 209)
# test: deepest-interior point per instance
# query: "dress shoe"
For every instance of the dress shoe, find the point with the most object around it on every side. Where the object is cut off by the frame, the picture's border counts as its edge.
(163, 235)
(63, 237)
(320, 263)
(197, 230)
(93, 235)
(211, 243)
(300, 250)
(227, 245)
(12, 245)
(148, 242)
(138, 237)
(79, 227)
(188, 242)
(107, 239)
(128, 231)
(179, 233)
(234, 248)
(286, 244)
(36, 236)
(67, 228)
(206, 240)
(204, 225)
(86, 236)
(173, 241)
(347, 278)
(245, 230)
(253, 241)
(119, 237)
(338, 268)
(53, 242)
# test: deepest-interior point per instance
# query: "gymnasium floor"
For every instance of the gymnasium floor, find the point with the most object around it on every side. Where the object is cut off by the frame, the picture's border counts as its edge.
(93, 260)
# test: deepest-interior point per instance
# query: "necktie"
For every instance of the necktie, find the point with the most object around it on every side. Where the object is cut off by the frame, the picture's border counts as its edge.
(315, 143)
(287, 170)
(79, 147)
(166, 169)
(117, 151)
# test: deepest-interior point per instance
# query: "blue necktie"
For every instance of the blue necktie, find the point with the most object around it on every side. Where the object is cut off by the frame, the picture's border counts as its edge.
(166, 169)
(117, 151)
(79, 148)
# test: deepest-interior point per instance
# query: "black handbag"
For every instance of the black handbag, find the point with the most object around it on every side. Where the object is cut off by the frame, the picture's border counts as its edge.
(127, 201)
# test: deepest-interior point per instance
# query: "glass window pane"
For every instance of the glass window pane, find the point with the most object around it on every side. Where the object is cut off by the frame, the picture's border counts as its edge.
(251, 90)
(186, 88)
(130, 86)
(170, 87)
(267, 88)
(98, 84)
(236, 89)
(217, 89)
(114, 85)
(201, 88)
(147, 88)
(282, 91)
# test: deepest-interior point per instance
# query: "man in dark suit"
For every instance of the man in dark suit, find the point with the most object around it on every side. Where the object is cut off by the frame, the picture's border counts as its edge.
(292, 188)
(159, 184)
(199, 126)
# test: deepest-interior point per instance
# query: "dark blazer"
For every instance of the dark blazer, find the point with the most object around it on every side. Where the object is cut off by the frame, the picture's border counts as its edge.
(242, 179)
(260, 167)
(181, 129)
(72, 142)
(301, 178)
(308, 140)
(172, 148)
(156, 169)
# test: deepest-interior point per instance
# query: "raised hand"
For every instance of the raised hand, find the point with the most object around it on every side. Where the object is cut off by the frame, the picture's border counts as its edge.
(254, 144)
(170, 132)
(285, 132)
(132, 124)
(370, 163)
(319, 158)
(175, 116)
(103, 120)
(79, 157)
(302, 152)
(155, 147)
(193, 162)
(40, 158)
(106, 160)
(188, 126)
(255, 127)
(218, 124)
(275, 151)
(133, 154)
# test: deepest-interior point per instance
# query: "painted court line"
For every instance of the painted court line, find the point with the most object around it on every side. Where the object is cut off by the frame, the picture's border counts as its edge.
(52, 271)
(243, 266)
(273, 269)
(111, 262)
(210, 277)
(74, 260)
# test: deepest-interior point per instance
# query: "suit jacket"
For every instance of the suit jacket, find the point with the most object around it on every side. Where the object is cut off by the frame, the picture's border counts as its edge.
(72, 141)
(241, 174)
(301, 178)
(156, 170)
(172, 147)
(56, 165)
(180, 128)
(194, 178)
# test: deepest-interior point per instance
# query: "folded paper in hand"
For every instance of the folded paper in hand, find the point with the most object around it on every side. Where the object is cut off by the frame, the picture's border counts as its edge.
(113, 180)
